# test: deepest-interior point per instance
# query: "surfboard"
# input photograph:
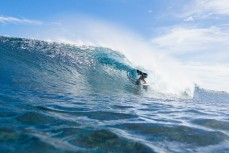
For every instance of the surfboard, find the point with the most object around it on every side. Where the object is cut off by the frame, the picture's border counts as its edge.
(145, 86)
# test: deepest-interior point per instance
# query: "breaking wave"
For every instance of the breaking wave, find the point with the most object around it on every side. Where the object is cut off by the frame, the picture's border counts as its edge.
(58, 67)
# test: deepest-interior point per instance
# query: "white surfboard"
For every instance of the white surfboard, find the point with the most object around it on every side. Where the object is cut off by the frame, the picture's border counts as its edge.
(145, 86)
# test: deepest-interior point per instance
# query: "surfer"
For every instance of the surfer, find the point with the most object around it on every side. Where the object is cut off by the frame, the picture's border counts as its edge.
(142, 77)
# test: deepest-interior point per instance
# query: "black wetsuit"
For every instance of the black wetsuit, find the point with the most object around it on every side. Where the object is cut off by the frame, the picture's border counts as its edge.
(142, 76)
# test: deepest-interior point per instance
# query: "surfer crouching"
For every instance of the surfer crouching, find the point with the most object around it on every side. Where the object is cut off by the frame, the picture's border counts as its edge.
(142, 77)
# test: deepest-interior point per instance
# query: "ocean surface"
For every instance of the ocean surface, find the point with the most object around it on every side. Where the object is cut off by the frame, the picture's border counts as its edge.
(67, 99)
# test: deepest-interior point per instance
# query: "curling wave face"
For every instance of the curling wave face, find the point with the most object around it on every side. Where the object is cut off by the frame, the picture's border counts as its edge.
(27, 63)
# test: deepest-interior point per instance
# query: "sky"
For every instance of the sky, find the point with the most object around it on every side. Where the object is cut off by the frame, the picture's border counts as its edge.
(194, 33)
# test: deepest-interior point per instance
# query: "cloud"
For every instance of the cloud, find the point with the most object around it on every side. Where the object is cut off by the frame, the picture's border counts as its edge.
(206, 8)
(13, 20)
(189, 19)
(208, 44)
(213, 6)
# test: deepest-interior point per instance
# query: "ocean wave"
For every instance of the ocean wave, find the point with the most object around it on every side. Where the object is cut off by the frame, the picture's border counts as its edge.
(58, 67)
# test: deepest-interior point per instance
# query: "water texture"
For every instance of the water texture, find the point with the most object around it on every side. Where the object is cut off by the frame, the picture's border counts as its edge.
(66, 99)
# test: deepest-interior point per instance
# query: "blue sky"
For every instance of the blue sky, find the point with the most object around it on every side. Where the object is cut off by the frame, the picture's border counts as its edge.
(138, 15)
(192, 32)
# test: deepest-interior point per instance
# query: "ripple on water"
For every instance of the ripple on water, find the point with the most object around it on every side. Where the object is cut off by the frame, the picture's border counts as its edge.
(41, 120)
(36, 118)
(122, 107)
(196, 112)
(107, 141)
(103, 115)
(8, 135)
(212, 123)
(182, 134)
(98, 115)
(17, 141)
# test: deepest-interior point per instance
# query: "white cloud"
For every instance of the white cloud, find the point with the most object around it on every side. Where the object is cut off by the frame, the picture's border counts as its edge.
(213, 6)
(189, 19)
(206, 8)
(210, 44)
(7, 19)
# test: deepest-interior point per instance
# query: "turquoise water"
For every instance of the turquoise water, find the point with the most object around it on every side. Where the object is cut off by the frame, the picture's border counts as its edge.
(61, 98)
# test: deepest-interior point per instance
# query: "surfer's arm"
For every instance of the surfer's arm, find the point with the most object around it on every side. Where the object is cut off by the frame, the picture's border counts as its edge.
(144, 81)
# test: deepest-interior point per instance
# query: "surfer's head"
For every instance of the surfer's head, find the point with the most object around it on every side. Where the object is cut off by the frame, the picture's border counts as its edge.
(139, 72)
